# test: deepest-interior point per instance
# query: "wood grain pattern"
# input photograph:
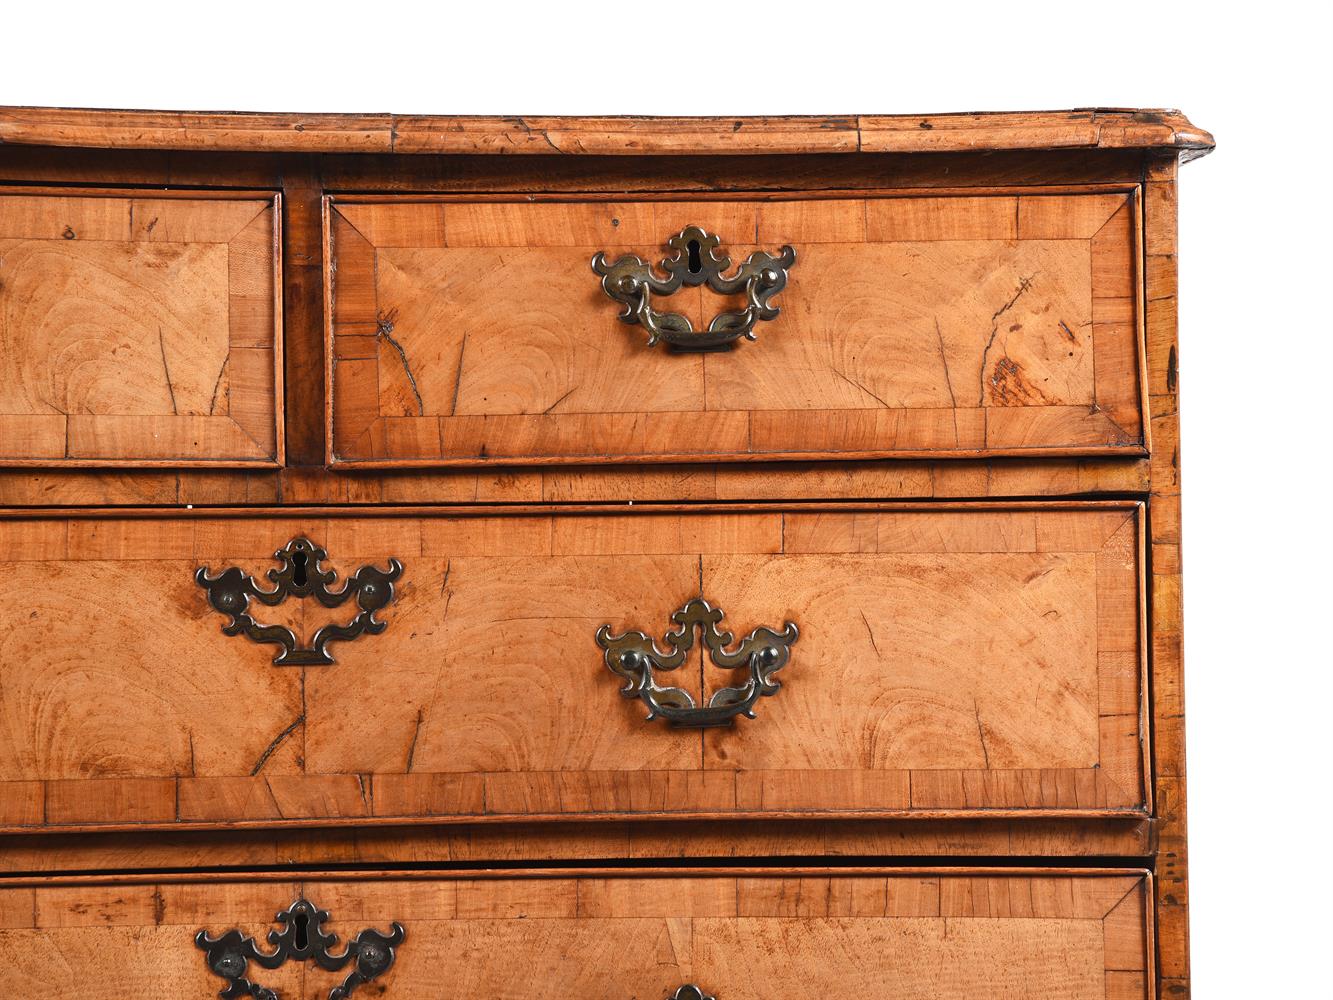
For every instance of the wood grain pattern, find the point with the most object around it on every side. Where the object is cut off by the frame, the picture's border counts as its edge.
(1172, 891)
(464, 333)
(303, 309)
(331, 133)
(953, 935)
(138, 329)
(953, 660)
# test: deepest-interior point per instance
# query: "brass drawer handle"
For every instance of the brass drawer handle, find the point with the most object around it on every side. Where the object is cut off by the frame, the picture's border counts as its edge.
(300, 575)
(302, 938)
(630, 280)
(633, 657)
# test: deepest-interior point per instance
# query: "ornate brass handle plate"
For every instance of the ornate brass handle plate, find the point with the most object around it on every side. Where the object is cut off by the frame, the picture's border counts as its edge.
(633, 657)
(302, 938)
(300, 575)
(631, 281)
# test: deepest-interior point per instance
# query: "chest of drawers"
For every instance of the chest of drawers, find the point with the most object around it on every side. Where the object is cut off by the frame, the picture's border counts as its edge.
(620, 557)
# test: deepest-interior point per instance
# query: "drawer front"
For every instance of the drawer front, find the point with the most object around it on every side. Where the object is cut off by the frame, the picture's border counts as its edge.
(472, 332)
(939, 661)
(138, 328)
(915, 935)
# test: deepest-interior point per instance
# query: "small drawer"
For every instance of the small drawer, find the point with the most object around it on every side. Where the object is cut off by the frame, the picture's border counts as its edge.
(884, 661)
(891, 934)
(467, 332)
(139, 328)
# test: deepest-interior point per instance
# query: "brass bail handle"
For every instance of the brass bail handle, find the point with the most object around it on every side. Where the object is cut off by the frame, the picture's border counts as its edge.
(634, 657)
(632, 281)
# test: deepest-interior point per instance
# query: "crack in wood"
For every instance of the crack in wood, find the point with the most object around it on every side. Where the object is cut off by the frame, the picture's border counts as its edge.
(277, 741)
(1023, 285)
(560, 400)
(944, 362)
(162, 346)
(305, 730)
(529, 130)
(277, 808)
(458, 376)
(384, 330)
(412, 747)
(447, 594)
(213, 401)
(858, 385)
(361, 785)
(981, 732)
(870, 632)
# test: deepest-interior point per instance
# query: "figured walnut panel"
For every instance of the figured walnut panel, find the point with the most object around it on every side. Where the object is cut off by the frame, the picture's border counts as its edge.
(906, 935)
(465, 333)
(137, 329)
(953, 661)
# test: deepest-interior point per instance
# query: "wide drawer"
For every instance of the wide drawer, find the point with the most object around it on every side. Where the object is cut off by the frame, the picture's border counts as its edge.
(733, 935)
(139, 328)
(465, 332)
(951, 660)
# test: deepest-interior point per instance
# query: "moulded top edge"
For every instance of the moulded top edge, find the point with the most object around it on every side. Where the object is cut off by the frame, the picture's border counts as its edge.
(1087, 128)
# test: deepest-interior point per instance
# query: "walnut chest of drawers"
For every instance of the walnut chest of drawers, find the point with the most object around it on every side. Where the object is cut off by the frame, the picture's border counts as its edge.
(623, 558)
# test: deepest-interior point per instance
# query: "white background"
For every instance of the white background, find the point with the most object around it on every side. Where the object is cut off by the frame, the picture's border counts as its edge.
(1255, 266)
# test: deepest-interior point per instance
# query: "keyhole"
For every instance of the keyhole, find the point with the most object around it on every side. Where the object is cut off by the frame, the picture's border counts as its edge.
(696, 261)
(302, 922)
(298, 568)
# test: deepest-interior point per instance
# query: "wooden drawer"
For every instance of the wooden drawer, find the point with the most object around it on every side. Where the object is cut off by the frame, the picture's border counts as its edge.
(139, 328)
(736, 935)
(952, 660)
(466, 332)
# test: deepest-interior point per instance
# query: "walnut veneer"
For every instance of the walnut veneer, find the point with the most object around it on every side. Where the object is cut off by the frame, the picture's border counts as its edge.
(362, 363)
